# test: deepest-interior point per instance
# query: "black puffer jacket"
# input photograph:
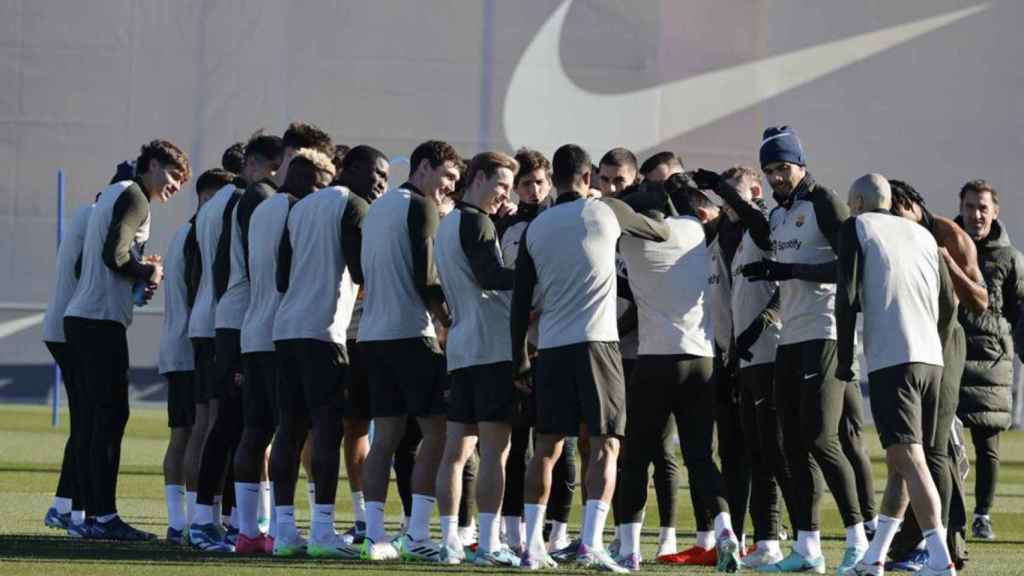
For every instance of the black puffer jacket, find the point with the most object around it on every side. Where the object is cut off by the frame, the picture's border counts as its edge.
(985, 392)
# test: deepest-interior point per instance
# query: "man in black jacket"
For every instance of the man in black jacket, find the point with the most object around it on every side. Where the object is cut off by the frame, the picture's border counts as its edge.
(988, 375)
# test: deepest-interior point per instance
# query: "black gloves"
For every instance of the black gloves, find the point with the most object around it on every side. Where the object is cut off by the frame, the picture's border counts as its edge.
(749, 337)
(767, 270)
(844, 372)
(706, 179)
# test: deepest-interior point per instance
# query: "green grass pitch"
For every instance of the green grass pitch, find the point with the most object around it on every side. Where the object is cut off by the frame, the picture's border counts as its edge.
(30, 458)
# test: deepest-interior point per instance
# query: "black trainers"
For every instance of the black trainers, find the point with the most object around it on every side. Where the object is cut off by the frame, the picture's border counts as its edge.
(982, 528)
(120, 530)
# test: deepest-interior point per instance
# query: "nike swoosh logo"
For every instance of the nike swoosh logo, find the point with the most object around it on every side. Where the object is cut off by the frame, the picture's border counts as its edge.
(641, 121)
(812, 375)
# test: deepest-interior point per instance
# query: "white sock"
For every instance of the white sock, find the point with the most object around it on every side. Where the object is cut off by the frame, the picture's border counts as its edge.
(233, 517)
(884, 534)
(405, 523)
(106, 518)
(706, 540)
(489, 531)
(190, 507)
(419, 522)
(467, 534)
(667, 535)
(629, 538)
(265, 507)
(985, 516)
(286, 521)
(723, 523)
(594, 517)
(450, 531)
(938, 554)
(769, 547)
(856, 538)
(273, 513)
(375, 522)
(535, 529)
(513, 535)
(63, 505)
(559, 533)
(218, 517)
(322, 522)
(808, 543)
(204, 514)
(359, 506)
(311, 494)
(247, 494)
(618, 533)
(871, 524)
(77, 517)
(174, 494)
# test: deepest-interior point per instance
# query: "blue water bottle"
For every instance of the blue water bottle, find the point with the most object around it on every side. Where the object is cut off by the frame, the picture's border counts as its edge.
(139, 294)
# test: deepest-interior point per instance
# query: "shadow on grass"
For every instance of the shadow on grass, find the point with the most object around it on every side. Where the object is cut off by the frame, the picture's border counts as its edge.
(56, 550)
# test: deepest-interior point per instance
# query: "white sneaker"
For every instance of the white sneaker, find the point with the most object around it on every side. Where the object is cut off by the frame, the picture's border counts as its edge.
(761, 557)
(289, 545)
(331, 546)
(378, 551)
(928, 571)
(417, 550)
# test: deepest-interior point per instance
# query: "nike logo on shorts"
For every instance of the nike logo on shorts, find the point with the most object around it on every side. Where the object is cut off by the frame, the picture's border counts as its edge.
(811, 375)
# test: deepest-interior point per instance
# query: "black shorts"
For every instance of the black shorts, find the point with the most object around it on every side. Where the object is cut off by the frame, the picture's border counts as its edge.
(904, 402)
(577, 383)
(205, 377)
(482, 393)
(312, 375)
(228, 362)
(406, 377)
(259, 390)
(357, 391)
(181, 404)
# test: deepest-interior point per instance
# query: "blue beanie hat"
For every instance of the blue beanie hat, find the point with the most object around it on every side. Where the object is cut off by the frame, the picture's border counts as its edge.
(781, 144)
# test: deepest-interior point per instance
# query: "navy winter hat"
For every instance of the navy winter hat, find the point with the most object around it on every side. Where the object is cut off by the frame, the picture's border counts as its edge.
(781, 144)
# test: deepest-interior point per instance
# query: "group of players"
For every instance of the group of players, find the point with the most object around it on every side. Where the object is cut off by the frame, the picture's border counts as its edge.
(475, 313)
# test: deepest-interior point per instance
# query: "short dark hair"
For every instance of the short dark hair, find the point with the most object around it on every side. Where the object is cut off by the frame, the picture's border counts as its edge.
(340, 151)
(301, 135)
(489, 163)
(979, 186)
(904, 196)
(437, 152)
(233, 158)
(682, 189)
(618, 157)
(738, 172)
(124, 171)
(165, 153)
(530, 160)
(569, 163)
(265, 146)
(666, 157)
(214, 179)
(361, 154)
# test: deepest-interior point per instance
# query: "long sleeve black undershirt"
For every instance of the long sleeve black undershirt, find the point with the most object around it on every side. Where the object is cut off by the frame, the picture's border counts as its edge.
(130, 212)
(478, 238)
(422, 221)
(222, 260)
(352, 235)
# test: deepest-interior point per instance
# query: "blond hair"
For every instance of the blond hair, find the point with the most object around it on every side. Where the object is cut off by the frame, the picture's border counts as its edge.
(318, 159)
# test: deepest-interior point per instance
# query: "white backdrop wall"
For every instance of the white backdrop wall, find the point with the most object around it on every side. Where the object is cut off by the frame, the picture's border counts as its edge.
(932, 97)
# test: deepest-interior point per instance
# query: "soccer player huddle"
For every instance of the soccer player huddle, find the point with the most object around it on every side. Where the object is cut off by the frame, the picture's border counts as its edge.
(496, 319)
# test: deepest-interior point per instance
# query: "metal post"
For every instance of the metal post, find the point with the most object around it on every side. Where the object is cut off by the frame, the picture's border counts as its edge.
(55, 414)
